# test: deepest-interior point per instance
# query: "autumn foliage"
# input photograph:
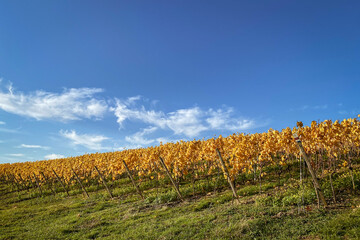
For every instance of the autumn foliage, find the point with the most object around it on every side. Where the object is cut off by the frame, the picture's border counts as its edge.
(330, 145)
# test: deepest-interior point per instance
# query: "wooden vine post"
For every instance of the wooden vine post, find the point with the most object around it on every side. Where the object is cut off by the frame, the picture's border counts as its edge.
(31, 182)
(82, 186)
(104, 182)
(311, 170)
(38, 184)
(22, 182)
(7, 179)
(15, 183)
(132, 180)
(47, 182)
(171, 179)
(351, 172)
(226, 172)
(62, 184)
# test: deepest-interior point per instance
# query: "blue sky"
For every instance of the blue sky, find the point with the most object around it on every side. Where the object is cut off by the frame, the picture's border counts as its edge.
(96, 76)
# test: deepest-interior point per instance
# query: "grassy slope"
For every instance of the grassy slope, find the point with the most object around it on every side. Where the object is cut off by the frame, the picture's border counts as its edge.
(269, 215)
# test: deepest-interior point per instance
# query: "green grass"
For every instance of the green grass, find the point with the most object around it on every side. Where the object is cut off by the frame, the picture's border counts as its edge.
(278, 212)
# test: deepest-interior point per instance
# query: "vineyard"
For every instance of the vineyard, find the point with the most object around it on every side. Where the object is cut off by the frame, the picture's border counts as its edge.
(329, 149)
(300, 183)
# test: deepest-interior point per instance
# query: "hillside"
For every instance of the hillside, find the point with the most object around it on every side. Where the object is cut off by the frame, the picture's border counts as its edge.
(284, 209)
(179, 120)
(300, 183)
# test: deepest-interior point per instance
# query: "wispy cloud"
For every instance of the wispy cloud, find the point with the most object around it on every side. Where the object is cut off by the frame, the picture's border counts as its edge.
(83, 103)
(222, 119)
(92, 142)
(316, 107)
(308, 107)
(139, 137)
(352, 113)
(53, 156)
(142, 138)
(15, 158)
(15, 154)
(343, 112)
(32, 146)
(189, 121)
(71, 104)
(6, 130)
(325, 106)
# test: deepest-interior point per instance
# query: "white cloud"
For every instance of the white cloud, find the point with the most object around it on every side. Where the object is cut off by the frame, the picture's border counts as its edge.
(350, 113)
(307, 107)
(186, 121)
(342, 112)
(15, 154)
(132, 100)
(6, 158)
(221, 119)
(8, 130)
(123, 112)
(71, 104)
(32, 146)
(92, 142)
(54, 156)
(139, 139)
(325, 106)
(189, 122)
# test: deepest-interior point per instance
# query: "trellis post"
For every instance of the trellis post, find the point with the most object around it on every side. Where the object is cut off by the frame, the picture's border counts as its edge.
(104, 182)
(79, 181)
(311, 170)
(132, 180)
(171, 179)
(62, 184)
(226, 172)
